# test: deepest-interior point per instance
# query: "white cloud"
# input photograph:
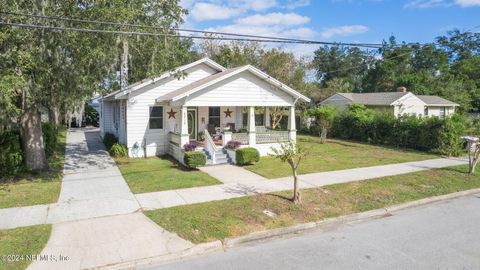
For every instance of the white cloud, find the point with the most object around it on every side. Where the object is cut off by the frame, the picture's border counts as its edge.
(276, 18)
(441, 3)
(293, 4)
(257, 5)
(467, 3)
(344, 30)
(208, 11)
(426, 4)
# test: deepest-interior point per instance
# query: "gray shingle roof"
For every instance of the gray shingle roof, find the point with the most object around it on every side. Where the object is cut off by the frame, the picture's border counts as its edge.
(383, 98)
(436, 100)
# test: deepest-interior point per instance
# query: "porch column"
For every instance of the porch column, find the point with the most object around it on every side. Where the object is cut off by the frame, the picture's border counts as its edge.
(184, 136)
(292, 131)
(251, 126)
(267, 117)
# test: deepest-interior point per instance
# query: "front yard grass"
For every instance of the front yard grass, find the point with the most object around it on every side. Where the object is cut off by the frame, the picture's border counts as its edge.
(336, 155)
(22, 241)
(229, 218)
(160, 173)
(31, 188)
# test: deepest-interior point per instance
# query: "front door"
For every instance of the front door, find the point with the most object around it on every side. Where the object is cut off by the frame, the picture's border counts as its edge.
(192, 123)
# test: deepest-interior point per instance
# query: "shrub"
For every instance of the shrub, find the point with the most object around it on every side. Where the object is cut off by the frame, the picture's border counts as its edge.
(109, 139)
(324, 117)
(10, 154)
(91, 116)
(233, 144)
(194, 159)
(50, 138)
(247, 156)
(441, 135)
(118, 150)
(191, 146)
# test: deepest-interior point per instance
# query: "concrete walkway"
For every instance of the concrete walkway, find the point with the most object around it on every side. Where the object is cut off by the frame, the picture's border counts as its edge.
(240, 182)
(93, 187)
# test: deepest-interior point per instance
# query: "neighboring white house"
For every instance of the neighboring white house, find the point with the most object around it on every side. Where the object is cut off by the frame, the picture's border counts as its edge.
(159, 116)
(398, 103)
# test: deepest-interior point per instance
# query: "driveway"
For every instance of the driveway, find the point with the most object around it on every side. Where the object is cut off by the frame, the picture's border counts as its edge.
(439, 236)
(109, 229)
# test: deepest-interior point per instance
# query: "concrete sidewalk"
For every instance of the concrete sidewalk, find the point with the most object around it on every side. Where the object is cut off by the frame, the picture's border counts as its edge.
(240, 182)
(92, 187)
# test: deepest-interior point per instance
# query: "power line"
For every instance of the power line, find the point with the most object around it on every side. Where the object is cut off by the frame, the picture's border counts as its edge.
(88, 30)
(256, 38)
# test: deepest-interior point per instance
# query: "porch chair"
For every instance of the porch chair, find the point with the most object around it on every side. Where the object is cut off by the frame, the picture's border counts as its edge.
(213, 132)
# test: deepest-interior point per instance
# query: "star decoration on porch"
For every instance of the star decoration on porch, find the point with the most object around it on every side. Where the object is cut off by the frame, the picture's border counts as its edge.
(228, 113)
(171, 114)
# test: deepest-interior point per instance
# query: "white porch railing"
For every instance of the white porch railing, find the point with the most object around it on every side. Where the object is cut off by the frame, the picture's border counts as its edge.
(210, 146)
(175, 138)
(272, 137)
(240, 137)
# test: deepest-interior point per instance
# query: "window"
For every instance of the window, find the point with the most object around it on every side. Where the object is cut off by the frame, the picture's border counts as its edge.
(442, 111)
(214, 116)
(259, 116)
(156, 117)
(425, 111)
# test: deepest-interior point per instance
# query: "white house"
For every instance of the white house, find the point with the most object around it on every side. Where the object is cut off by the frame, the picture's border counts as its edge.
(398, 103)
(159, 116)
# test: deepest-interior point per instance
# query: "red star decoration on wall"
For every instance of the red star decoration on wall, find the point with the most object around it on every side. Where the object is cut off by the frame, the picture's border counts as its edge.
(228, 113)
(171, 114)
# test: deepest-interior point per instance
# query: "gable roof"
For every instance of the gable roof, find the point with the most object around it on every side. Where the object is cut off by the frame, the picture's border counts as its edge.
(210, 80)
(436, 101)
(376, 99)
(145, 82)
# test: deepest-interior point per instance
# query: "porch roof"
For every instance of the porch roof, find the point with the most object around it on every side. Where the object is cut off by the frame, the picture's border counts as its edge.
(216, 78)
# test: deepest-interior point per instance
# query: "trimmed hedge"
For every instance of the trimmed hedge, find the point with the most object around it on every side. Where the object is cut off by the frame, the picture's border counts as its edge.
(194, 159)
(50, 138)
(440, 135)
(10, 154)
(247, 155)
(109, 140)
(118, 150)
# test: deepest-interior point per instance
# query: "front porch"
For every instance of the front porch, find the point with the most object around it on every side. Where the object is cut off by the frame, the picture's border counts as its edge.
(212, 131)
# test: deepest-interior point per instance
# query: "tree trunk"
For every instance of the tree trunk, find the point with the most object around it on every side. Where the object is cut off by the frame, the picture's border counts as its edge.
(32, 140)
(54, 115)
(323, 135)
(296, 193)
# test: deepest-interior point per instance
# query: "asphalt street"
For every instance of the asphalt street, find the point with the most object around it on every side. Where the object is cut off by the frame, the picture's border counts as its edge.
(444, 235)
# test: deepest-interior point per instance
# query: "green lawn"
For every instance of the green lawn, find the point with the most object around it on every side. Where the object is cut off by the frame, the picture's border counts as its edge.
(30, 188)
(22, 241)
(228, 218)
(336, 155)
(160, 173)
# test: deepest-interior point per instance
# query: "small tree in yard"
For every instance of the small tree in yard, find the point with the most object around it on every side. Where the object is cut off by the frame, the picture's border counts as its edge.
(293, 155)
(473, 148)
(324, 117)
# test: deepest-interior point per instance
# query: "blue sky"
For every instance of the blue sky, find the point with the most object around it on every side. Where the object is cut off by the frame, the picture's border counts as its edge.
(368, 21)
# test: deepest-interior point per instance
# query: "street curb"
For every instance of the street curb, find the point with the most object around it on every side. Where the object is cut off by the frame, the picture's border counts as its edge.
(261, 236)
(331, 223)
(196, 250)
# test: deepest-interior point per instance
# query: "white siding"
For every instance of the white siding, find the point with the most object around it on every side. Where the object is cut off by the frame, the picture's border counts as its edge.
(243, 89)
(157, 140)
(409, 104)
(435, 110)
(107, 117)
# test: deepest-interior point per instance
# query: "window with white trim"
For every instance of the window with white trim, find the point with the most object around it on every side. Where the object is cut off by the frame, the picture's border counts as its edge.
(155, 120)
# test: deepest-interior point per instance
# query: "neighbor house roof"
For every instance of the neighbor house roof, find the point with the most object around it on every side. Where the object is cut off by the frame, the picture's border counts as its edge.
(376, 99)
(436, 101)
(210, 80)
(140, 84)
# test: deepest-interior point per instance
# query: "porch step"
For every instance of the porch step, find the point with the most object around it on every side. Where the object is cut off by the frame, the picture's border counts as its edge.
(221, 157)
